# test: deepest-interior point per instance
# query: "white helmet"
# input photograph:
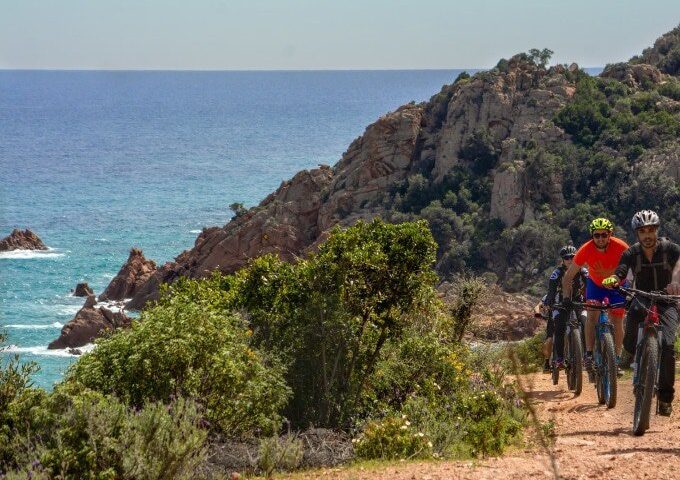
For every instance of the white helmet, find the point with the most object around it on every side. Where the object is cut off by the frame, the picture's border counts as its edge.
(645, 218)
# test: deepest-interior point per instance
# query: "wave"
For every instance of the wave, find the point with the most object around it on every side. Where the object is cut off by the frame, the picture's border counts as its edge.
(195, 231)
(42, 350)
(30, 254)
(23, 326)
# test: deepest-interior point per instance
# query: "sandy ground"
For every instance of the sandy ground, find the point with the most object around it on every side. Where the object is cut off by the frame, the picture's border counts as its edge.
(591, 442)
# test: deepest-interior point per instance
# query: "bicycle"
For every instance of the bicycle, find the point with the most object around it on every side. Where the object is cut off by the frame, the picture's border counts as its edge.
(604, 354)
(573, 354)
(647, 362)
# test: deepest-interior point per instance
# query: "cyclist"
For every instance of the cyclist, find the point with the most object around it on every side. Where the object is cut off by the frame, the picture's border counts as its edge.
(557, 318)
(655, 265)
(601, 254)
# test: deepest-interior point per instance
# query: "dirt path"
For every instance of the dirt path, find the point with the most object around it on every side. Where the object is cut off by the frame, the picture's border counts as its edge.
(592, 442)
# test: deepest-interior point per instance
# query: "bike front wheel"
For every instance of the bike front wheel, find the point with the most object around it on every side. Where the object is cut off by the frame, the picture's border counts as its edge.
(609, 369)
(644, 386)
(575, 362)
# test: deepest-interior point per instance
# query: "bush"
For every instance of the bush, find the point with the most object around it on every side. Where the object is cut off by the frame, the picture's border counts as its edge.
(77, 433)
(279, 454)
(330, 316)
(188, 345)
(392, 438)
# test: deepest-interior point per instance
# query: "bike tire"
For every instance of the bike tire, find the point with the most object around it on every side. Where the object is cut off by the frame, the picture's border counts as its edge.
(555, 374)
(576, 361)
(609, 366)
(568, 369)
(644, 390)
(597, 367)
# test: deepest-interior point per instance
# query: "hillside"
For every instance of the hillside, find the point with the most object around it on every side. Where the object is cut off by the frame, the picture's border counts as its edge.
(505, 165)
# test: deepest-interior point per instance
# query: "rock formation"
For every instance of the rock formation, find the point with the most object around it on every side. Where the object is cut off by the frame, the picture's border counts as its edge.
(89, 323)
(82, 290)
(133, 274)
(21, 240)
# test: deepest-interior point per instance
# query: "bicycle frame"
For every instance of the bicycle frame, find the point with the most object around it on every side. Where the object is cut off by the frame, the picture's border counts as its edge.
(650, 326)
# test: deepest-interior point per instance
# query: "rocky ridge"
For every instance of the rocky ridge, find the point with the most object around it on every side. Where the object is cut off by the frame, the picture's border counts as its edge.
(133, 274)
(21, 240)
(514, 106)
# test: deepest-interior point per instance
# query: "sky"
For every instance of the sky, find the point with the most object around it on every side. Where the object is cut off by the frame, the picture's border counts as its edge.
(322, 34)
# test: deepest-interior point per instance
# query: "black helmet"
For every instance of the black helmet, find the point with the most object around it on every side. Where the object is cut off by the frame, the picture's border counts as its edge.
(568, 251)
(645, 218)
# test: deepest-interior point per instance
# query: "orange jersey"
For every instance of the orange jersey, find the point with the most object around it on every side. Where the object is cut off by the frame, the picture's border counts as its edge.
(600, 264)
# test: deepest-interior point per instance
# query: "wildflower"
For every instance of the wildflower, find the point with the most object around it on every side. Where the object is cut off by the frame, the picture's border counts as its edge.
(421, 434)
(403, 427)
(407, 423)
(429, 444)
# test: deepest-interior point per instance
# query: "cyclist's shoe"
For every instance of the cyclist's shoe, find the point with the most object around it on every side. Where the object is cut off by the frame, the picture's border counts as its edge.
(619, 370)
(559, 364)
(665, 408)
(546, 366)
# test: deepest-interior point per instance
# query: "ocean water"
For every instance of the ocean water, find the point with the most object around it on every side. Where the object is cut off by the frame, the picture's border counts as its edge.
(98, 162)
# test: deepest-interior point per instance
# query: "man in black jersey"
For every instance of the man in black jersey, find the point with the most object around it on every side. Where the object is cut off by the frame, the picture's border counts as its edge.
(557, 318)
(655, 265)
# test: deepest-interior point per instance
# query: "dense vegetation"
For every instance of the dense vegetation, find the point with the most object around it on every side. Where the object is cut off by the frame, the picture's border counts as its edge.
(352, 338)
(608, 168)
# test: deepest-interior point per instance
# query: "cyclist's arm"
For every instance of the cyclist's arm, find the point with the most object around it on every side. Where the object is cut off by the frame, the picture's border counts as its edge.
(568, 278)
(552, 289)
(625, 265)
(674, 287)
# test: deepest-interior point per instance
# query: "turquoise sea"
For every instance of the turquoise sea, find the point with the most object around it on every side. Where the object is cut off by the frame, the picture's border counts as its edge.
(98, 162)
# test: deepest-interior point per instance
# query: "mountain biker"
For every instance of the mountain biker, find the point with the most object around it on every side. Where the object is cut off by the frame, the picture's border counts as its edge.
(601, 254)
(655, 264)
(559, 317)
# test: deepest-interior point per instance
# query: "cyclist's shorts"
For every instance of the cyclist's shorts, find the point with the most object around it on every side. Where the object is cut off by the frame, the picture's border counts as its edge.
(595, 293)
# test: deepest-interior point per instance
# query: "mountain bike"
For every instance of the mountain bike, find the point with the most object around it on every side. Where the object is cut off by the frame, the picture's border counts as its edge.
(573, 354)
(647, 357)
(604, 354)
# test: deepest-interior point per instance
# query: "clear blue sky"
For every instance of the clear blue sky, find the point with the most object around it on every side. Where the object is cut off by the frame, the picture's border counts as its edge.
(322, 34)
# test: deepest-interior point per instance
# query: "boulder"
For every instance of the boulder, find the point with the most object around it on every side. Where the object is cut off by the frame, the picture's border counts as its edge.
(89, 323)
(21, 240)
(132, 275)
(82, 290)
(633, 75)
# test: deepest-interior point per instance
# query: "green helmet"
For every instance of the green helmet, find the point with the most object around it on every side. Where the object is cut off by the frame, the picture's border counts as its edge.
(601, 224)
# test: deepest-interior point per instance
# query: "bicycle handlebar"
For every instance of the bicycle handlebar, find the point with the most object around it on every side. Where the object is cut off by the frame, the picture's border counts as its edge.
(662, 296)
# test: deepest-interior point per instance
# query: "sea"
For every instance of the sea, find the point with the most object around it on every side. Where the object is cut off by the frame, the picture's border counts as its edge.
(97, 162)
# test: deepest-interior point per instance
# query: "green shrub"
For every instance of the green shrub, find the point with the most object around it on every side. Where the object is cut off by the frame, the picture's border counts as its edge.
(330, 316)
(279, 454)
(76, 433)
(392, 437)
(189, 346)
(528, 353)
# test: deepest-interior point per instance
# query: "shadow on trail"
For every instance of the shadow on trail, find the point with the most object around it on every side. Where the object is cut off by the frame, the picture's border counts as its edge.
(584, 407)
(551, 395)
(600, 433)
(663, 450)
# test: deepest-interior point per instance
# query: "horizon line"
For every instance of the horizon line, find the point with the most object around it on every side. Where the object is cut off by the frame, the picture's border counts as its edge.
(209, 70)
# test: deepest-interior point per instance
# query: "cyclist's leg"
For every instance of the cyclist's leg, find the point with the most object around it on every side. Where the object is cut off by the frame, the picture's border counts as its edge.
(616, 318)
(669, 320)
(636, 313)
(560, 328)
(590, 329)
(548, 342)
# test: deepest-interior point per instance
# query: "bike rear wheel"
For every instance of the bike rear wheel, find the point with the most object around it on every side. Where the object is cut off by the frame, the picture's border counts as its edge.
(576, 361)
(644, 388)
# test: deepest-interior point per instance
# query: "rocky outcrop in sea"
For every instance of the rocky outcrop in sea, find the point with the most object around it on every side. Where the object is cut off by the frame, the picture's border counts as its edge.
(21, 240)
(90, 322)
(133, 274)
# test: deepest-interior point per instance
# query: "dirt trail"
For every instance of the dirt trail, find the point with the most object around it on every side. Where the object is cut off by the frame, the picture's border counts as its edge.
(592, 442)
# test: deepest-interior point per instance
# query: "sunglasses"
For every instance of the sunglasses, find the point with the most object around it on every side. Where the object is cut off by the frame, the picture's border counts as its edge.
(568, 257)
(600, 235)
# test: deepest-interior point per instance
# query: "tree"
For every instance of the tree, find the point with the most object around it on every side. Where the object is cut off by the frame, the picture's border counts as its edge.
(238, 209)
(540, 57)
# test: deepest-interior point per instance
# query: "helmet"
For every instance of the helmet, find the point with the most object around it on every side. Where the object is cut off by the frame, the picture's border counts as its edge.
(645, 218)
(601, 224)
(567, 251)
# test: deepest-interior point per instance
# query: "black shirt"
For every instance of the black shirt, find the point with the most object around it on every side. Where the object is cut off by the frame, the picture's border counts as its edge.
(654, 275)
(555, 285)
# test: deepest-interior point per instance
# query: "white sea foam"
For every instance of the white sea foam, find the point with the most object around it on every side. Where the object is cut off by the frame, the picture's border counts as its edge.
(195, 231)
(23, 326)
(113, 304)
(30, 254)
(42, 350)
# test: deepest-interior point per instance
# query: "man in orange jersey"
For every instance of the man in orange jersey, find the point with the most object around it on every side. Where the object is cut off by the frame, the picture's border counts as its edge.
(601, 254)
